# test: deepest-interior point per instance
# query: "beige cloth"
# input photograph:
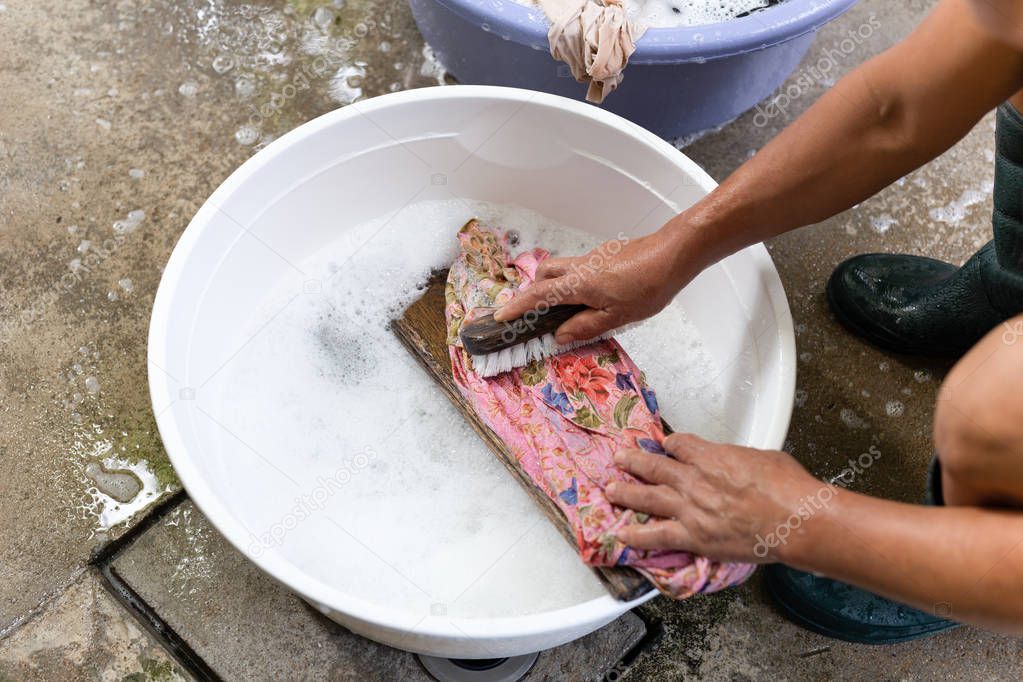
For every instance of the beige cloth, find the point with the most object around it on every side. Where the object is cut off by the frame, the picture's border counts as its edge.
(594, 38)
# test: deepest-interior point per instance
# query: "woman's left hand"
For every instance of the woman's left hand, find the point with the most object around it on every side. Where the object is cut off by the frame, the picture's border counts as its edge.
(726, 502)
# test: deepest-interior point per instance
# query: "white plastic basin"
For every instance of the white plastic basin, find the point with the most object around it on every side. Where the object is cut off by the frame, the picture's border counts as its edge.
(571, 162)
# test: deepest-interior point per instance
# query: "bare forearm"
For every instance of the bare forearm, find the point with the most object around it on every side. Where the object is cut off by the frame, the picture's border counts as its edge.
(961, 562)
(841, 151)
(886, 118)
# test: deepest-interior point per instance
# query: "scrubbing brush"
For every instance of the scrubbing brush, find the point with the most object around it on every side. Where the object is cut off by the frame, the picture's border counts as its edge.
(497, 347)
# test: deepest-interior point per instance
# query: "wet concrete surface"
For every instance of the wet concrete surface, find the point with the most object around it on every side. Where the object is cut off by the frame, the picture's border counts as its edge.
(85, 634)
(119, 119)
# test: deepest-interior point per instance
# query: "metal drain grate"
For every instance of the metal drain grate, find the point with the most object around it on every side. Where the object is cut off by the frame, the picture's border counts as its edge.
(478, 670)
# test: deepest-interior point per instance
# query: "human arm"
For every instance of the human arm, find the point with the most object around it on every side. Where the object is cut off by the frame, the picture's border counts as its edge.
(733, 503)
(884, 119)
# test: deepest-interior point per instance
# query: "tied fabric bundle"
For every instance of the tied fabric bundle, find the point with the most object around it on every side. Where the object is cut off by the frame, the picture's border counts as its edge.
(565, 417)
(595, 39)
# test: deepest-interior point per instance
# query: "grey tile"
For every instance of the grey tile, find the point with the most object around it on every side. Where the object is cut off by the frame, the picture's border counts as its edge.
(84, 634)
(247, 626)
(738, 635)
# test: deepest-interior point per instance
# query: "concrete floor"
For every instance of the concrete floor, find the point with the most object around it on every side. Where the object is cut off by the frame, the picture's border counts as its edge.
(118, 120)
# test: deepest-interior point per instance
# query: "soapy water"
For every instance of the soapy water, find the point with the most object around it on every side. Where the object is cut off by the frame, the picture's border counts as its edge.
(118, 489)
(368, 478)
(673, 13)
(122, 486)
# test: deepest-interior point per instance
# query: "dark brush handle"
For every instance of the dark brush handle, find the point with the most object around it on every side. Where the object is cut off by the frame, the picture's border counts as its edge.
(486, 335)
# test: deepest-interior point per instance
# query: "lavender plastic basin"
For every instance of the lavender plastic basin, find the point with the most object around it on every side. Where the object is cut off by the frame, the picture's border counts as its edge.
(679, 81)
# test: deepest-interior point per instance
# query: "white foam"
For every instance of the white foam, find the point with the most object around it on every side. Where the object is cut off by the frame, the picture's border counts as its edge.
(956, 211)
(109, 511)
(882, 223)
(669, 13)
(416, 512)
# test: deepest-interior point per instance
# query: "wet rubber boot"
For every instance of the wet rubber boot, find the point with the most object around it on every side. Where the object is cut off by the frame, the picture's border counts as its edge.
(841, 611)
(922, 306)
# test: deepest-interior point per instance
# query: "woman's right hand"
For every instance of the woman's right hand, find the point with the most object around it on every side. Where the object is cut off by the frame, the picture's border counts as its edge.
(621, 281)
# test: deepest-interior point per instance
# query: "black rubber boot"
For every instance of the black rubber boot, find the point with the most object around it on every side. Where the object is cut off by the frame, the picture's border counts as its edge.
(922, 306)
(934, 496)
(916, 305)
(841, 611)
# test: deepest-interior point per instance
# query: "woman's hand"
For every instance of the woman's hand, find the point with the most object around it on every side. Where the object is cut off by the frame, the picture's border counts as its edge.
(622, 281)
(727, 502)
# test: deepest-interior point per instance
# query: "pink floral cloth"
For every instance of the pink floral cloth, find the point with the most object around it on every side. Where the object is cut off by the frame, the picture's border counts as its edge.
(564, 418)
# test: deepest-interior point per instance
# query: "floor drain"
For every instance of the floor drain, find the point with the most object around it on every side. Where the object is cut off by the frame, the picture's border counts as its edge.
(478, 670)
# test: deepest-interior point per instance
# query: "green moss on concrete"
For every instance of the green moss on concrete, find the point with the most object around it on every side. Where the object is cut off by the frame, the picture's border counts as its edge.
(154, 671)
(687, 625)
(305, 7)
(136, 438)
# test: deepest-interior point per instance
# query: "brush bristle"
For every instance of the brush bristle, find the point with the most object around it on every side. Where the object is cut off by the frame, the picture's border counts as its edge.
(520, 355)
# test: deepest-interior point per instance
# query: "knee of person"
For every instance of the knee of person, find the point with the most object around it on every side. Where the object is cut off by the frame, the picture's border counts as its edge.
(960, 442)
(979, 412)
